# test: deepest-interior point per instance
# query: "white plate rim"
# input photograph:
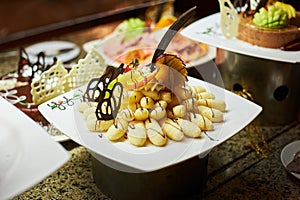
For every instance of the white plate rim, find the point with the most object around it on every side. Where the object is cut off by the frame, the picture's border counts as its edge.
(37, 147)
(217, 39)
(34, 49)
(287, 155)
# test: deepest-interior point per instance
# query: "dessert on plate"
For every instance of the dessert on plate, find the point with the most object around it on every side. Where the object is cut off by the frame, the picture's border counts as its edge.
(16, 86)
(149, 104)
(271, 24)
(35, 82)
(135, 38)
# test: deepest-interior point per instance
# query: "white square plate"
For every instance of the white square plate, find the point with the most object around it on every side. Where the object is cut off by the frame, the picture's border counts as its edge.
(156, 35)
(208, 31)
(240, 112)
(28, 155)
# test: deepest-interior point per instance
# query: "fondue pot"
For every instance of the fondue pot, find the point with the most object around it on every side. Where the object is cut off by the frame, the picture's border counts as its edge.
(274, 85)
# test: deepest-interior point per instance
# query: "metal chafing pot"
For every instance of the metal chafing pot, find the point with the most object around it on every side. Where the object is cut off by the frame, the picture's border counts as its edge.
(272, 84)
(178, 181)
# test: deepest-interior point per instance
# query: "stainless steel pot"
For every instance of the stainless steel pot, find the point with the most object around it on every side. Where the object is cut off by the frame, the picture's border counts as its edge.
(273, 85)
(179, 181)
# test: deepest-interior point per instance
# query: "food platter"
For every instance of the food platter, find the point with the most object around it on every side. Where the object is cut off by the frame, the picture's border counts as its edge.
(27, 155)
(208, 31)
(240, 112)
(100, 44)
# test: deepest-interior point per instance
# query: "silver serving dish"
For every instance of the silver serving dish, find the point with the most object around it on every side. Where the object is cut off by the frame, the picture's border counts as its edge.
(180, 181)
(274, 85)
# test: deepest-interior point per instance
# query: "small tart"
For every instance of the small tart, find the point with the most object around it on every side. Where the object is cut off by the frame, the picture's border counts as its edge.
(266, 37)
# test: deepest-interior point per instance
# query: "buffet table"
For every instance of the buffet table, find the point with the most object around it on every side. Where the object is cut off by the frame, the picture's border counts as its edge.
(235, 169)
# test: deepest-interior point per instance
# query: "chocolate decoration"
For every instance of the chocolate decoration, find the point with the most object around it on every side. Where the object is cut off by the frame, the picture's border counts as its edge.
(108, 107)
(92, 91)
(36, 68)
(292, 46)
(238, 4)
(168, 36)
(97, 91)
(97, 85)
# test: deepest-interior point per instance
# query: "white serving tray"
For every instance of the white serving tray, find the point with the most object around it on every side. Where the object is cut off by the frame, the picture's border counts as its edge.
(98, 45)
(240, 112)
(28, 155)
(208, 31)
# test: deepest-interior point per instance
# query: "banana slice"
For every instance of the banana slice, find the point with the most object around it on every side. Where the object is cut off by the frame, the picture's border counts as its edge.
(179, 111)
(95, 125)
(213, 103)
(161, 103)
(166, 96)
(198, 89)
(84, 105)
(147, 102)
(190, 103)
(189, 128)
(88, 111)
(126, 114)
(205, 95)
(172, 130)
(212, 114)
(117, 130)
(135, 79)
(157, 113)
(133, 106)
(155, 133)
(152, 94)
(141, 114)
(201, 121)
(135, 97)
(136, 133)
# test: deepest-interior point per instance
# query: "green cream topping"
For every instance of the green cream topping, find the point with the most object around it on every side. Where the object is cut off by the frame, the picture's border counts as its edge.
(274, 17)
(132, 28)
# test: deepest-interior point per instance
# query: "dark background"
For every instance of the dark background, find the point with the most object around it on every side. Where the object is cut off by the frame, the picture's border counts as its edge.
(27, 21)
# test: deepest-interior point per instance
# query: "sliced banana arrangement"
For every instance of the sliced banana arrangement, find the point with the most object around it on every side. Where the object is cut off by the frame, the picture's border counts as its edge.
(152, 104)
(157, 115)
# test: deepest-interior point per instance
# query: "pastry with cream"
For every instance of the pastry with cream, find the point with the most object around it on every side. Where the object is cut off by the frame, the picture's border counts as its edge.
(272, 24)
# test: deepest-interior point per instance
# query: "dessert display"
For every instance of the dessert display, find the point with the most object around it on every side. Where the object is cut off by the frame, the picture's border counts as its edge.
(149, 103)
(272, 24)
(35, 83)
(18, 91)
(135, 38)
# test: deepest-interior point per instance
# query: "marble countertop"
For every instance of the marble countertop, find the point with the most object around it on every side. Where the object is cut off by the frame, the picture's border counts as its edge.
(235, 169)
